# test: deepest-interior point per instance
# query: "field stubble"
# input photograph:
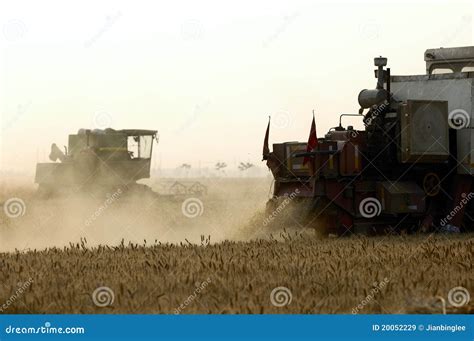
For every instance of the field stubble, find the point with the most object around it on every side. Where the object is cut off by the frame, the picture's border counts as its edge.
(162, 262)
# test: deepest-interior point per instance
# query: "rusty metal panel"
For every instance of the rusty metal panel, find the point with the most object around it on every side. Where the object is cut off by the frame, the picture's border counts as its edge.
(319, 187)
(364, 186)
(350, 159)
(327, 165)
(290, 166)
(295, 164)
(279, 155)
(335, 192)
(293, 188)
(400, 197)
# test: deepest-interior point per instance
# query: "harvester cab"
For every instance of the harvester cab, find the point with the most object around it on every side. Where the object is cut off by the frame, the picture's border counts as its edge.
(98, 159)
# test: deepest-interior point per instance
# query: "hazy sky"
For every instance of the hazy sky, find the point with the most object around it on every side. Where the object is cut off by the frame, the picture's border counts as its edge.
(206, 74)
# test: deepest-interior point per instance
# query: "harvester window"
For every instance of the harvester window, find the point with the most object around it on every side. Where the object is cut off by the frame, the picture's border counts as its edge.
(132, 146)
(139, 147)
(440, 71)
(145, 146)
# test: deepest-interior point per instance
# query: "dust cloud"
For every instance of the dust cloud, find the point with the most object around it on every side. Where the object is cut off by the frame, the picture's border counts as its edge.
(232, 209)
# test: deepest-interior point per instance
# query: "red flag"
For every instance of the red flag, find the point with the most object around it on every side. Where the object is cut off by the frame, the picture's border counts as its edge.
(312, 141)
(266, 149)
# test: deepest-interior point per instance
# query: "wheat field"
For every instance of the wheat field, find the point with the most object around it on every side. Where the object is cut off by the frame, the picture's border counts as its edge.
(150, 258)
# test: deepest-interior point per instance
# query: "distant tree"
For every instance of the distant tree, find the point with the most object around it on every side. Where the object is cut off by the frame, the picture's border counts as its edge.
(243, 166)
(185, 167)
(220, 165)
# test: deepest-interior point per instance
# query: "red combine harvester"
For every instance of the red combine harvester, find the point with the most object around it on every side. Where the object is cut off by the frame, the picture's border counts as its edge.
(410, 169)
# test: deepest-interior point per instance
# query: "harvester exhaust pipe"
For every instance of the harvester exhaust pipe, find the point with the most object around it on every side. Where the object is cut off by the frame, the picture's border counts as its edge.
(368, 98)
(380, 62)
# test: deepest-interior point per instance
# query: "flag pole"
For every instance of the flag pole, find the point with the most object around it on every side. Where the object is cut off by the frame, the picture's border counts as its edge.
(266, 149)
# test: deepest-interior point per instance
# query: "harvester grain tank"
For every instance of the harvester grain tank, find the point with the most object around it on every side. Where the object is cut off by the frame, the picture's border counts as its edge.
(412, 166)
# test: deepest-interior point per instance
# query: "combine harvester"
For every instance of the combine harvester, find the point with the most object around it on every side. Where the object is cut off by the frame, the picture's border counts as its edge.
(100, 161)
(410, 169)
